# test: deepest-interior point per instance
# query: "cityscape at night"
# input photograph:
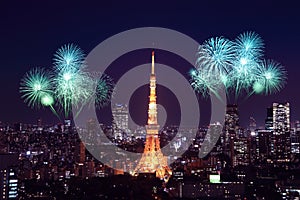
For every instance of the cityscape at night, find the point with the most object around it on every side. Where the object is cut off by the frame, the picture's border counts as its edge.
(157, 100)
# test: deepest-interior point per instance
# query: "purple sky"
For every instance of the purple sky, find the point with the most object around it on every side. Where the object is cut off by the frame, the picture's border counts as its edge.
(31, 31)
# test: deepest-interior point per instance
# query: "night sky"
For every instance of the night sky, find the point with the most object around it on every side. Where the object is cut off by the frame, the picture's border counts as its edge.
(31, 31)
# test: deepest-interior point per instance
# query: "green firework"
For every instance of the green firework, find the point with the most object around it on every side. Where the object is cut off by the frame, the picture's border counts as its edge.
(249, 45)
(215, 56)
(204, 83)
(73, 87)
(237, 67)
(243, 75)
(67, 57)
(104, 90)
(271, 77)
(34, 85)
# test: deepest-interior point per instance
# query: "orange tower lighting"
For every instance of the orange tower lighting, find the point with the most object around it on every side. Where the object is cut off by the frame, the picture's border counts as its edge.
(153, 161)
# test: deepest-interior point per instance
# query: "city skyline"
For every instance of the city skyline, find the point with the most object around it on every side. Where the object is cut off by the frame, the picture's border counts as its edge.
(111, 100)
(237, 165)
(214, 164)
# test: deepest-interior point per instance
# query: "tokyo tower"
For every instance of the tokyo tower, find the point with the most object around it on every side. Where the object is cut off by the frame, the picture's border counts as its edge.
(153, 161)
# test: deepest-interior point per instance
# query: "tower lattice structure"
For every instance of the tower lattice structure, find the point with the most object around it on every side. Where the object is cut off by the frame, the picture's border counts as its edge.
(153, 160)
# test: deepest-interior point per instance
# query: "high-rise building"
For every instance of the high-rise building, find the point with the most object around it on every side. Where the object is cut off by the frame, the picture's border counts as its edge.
(280, 139)
(281, 118)
(269, 119)
(153, 161)
(295, 138)
(232, 119)
(8, 176)
(241, 151)
(120, 120)
(80, 159)
(82, 153)
(297, 127)
(230, 132)
(263, 145)
(252, 125)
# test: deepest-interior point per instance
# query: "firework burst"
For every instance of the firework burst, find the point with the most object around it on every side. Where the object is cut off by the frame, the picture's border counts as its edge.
(35, 84)
(73, 87)
(104, 90)
(47, 100)
(243, 74)
(203, 83)
(68, 57)
(237, 66)
(68, 85)
(215, 56)
(249, 46)
(271, 78)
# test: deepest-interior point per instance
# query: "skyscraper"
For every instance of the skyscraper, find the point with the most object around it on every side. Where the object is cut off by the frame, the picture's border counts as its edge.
(281, 118)
(231, 131)
(263, 144)
(241, 151)
(80, 159)
(252, 125)
(280, 139)
(232, 119)
(8, 177)
(120, 120)
(295, 138)
(269, 119)
(153, 161)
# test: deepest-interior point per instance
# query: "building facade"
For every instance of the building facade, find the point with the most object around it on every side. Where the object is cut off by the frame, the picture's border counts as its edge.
(120, 120)
(280, 149)
(8, 176)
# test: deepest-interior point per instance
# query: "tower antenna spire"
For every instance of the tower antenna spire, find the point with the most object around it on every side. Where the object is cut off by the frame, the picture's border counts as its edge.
(152, 68)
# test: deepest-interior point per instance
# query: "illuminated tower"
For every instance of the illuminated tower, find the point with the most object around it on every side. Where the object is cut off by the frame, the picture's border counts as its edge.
(153, 161)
